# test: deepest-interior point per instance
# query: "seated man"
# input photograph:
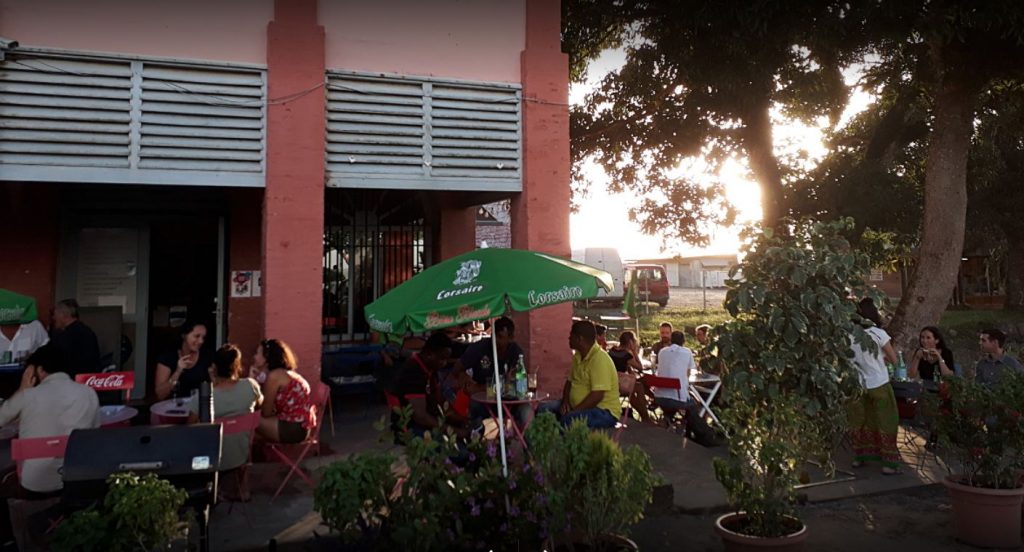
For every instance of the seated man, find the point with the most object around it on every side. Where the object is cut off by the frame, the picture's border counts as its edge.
(75, 340)
(48, 403)
(676, 361)
(475, 369)
(995, 362)
(592, 391)
(416, 385)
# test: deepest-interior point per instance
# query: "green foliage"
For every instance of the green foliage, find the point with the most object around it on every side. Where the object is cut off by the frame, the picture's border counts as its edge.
(983, 428)
(138, 513)
(440, 496)
(789, 368)
(595, 488)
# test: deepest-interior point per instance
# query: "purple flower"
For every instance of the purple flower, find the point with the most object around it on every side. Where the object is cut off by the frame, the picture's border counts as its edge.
(539, 478)
(475, 511)
(511, 484)
(492, 450)
(513, 511)
(472, 457)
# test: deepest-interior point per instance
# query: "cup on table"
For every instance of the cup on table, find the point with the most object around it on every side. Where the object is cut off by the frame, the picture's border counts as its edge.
(531, 382)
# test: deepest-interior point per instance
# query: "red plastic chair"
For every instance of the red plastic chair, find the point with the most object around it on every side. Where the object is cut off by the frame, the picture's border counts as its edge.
(240, 424)
(37, 448)
(658, 382)
(109, 381)
(321, 393)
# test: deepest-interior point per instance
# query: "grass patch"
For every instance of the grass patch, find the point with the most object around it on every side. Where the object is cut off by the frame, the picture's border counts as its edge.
(685, 319)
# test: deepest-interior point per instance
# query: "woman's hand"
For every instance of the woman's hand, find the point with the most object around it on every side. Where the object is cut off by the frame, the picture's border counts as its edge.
(187, 361)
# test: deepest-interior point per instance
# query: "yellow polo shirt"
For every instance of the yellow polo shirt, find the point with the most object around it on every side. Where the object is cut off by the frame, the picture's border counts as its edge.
(595, 372)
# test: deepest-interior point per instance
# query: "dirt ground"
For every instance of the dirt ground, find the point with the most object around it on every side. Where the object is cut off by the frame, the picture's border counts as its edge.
(694, 298)
(908, 521)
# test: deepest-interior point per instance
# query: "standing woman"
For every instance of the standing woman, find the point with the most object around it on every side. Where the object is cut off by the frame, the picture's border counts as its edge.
(874, 419)
(185, 367)
(288, 410)
(932, 357)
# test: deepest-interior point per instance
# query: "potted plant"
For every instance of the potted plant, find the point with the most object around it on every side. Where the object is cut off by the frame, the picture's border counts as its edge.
(595, 488)
(138, 513)
(788, 373)
(441, 495)
(982, 429)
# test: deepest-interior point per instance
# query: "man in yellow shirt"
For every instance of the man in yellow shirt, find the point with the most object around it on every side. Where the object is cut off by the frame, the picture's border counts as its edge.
(592, 391)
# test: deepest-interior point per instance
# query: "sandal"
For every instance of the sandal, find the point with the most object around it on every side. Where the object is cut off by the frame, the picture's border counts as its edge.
(857, 463)
(886, 470)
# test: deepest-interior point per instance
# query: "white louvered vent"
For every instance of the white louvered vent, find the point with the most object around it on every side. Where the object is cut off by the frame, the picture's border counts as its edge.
(81, 119)
(397, 132)
(201, 119)
(65, 112)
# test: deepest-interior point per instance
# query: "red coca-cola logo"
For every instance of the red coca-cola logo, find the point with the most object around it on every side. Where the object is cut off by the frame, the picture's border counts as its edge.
(110, 381)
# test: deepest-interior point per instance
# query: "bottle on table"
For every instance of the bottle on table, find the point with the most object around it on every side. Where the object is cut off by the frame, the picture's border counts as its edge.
(521, 387)
(901, 368)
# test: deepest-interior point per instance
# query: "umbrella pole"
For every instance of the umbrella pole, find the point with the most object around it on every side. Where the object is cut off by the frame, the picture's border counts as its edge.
(497, 394)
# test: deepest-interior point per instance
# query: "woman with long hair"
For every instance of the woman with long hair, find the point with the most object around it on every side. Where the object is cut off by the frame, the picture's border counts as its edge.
(233, 395)
(874, 418)
(932, 357)
(288, 410)
(184, 368)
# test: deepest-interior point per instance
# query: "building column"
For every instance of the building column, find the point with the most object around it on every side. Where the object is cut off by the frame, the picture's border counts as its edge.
(293, 207)
(457, 229)
(245, 314)
(540, 214)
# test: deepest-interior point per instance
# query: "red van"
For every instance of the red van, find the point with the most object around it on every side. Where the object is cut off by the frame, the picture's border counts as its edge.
(652, 282)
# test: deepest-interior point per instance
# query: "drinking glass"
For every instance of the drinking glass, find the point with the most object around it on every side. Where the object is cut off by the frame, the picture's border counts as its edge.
(531, 381)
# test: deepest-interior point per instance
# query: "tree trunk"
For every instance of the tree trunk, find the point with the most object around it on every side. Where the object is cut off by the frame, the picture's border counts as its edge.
(763, 163)
(945, 213)
(1015, 274)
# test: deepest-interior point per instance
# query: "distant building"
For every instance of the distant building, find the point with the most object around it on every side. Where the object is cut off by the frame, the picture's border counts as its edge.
(691, 272)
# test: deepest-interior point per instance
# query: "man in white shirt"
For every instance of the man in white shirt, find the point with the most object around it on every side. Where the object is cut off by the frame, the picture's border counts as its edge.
(22, 340)
(675, 361)
(48, 403)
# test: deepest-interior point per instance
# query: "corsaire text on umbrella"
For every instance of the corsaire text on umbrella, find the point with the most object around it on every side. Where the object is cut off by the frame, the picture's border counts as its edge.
(557, 296)
(446, 293)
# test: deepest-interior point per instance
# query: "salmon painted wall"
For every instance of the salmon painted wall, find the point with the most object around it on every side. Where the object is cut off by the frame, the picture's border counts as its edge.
(223, 30)
(464, 39)
(245, 250)
(30, 242)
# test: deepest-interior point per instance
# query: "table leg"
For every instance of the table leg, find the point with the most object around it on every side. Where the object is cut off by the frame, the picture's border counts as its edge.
(508, 416)
(695, 393)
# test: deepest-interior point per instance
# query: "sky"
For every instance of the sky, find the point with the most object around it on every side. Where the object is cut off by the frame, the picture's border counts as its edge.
(603, 217)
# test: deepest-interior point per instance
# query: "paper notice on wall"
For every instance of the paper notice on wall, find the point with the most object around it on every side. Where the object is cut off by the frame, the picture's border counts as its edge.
(177, 315)
(241, 283)
(113, 301)
(257, 283)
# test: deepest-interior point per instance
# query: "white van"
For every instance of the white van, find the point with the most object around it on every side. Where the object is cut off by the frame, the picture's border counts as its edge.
(608, 260)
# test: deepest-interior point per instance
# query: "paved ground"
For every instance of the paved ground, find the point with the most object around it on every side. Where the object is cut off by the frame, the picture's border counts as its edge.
(872, 512)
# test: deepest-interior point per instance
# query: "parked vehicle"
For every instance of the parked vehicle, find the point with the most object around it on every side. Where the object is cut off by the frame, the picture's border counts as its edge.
(608, 260)
(652, 282)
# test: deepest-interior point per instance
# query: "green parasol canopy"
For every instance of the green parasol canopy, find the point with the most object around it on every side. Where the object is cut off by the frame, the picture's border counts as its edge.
(16, 308)
(483, 284)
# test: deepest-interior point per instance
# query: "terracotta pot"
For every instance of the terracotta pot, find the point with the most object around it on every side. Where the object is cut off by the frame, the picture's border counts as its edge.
(989, 518)
(737, 542)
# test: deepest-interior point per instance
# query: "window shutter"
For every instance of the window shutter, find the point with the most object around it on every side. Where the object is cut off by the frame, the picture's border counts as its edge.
(65, 112)
(418, 133)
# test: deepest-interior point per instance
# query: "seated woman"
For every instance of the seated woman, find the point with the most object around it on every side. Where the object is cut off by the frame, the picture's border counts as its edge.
(182, 370)
(626, 356)
(288, 410)
(232, 396)
(932, 357)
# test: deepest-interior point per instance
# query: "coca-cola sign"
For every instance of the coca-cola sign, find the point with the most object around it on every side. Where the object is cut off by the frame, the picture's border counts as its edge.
(108, 381)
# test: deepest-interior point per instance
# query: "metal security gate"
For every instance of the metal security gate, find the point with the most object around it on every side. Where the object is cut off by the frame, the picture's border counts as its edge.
(373, 241)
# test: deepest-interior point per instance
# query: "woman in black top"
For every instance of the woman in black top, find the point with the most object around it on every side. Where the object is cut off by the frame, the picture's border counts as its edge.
(185, 367)
(626, 354)
(931, 357)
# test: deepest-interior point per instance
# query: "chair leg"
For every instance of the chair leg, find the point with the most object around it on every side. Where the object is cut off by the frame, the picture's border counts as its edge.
(295, 469)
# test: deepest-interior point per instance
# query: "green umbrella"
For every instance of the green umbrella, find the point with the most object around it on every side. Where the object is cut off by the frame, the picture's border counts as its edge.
(16, 308)
(484, 284)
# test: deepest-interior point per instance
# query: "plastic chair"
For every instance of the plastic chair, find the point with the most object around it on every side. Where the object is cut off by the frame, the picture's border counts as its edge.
(658, 382)
(39, 448)
(320, 393)
(122, 381)
(232, 426)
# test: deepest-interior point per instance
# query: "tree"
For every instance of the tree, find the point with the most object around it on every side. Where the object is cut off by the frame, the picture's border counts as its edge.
(701, 78)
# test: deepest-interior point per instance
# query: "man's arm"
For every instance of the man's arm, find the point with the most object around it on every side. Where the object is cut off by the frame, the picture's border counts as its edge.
(11, 408)
(565, 397)
(590, 401)
(420, 416)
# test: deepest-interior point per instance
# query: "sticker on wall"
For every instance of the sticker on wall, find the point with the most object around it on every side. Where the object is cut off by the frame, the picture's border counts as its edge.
(241, 283)
(257, 283)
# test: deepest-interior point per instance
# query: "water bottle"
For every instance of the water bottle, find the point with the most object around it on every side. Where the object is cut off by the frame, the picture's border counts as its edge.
(521, 378)
(901, 368)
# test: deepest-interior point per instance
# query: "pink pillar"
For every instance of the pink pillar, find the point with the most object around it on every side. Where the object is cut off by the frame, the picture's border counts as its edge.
(540, 214)
(293, 208)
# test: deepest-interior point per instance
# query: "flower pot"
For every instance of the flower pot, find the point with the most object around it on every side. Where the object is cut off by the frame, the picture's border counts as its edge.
(738, 542)
(989, 518)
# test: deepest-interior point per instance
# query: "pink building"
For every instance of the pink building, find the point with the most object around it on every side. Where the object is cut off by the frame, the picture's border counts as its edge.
(271, 166)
